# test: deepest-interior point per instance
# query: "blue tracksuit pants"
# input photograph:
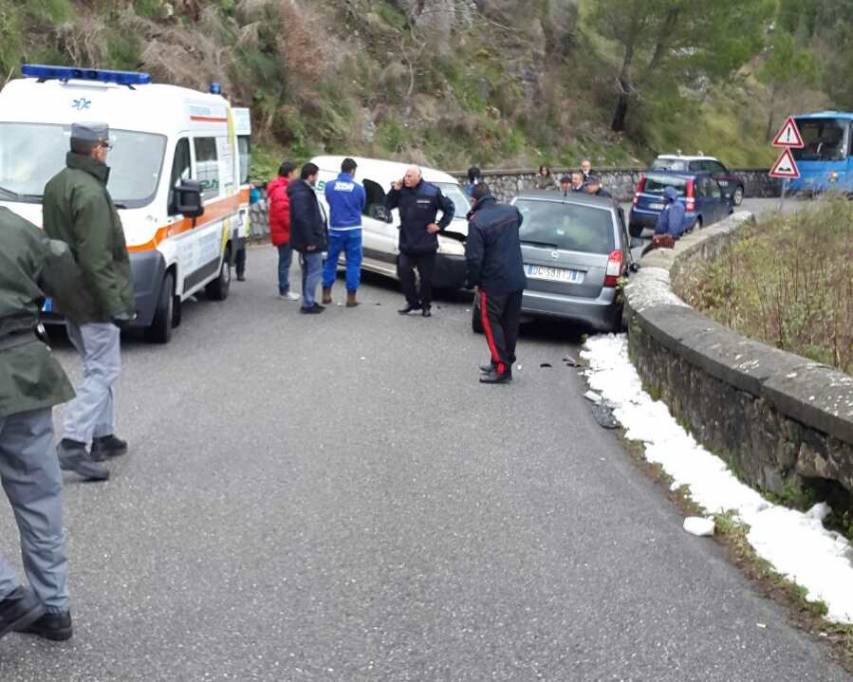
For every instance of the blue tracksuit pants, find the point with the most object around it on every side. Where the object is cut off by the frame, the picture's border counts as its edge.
(348, 241)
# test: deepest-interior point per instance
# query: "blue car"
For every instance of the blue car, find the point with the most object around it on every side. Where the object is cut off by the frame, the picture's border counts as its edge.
(703, 198)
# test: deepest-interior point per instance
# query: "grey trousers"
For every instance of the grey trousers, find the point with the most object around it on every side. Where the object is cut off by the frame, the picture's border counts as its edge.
(31, 478)
(92, 413)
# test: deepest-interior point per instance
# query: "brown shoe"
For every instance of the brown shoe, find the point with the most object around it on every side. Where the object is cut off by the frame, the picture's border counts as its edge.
(351, 302)
(327, 295)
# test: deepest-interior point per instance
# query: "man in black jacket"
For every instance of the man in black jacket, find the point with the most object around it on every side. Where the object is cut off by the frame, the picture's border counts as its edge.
(308, 235)
(496, 269)
(419, 203)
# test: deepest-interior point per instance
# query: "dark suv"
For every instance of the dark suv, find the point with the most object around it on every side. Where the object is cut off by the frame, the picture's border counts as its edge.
(732, 185)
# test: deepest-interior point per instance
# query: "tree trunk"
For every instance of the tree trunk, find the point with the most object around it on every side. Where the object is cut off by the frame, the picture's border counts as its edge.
(621, 112)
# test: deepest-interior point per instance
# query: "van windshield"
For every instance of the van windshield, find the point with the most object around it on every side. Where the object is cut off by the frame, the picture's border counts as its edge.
(457, 196)
(565, 226)
(823, 139)
(32, 153)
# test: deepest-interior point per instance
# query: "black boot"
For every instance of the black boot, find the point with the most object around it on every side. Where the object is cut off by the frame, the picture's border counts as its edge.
(410, 310)
(18, 610)
(108, 446)
(53, 626)
(494, 378)
(73, 457)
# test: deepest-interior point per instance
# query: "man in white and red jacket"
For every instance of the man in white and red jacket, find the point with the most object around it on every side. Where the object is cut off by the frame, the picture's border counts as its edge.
(279, 212)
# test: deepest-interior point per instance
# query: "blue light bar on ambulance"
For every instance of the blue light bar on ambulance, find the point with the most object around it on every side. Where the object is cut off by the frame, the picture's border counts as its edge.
(65, 73)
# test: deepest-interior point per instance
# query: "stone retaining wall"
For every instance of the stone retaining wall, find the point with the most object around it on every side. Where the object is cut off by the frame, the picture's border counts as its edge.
(779, 419)
(620, 182)
(506, 184)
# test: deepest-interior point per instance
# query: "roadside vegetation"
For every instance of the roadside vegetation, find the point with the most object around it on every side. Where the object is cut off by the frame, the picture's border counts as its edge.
(454, 82)
(787, 281)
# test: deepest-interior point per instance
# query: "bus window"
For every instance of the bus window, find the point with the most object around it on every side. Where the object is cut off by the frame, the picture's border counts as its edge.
(824, 139)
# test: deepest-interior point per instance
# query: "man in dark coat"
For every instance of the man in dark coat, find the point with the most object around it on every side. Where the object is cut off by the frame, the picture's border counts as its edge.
(31, 383)
(308, 235)
(419, 203)
(79, 211)
(496, 270)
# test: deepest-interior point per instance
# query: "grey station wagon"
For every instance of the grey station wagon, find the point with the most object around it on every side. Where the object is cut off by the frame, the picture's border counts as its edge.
(575, 248)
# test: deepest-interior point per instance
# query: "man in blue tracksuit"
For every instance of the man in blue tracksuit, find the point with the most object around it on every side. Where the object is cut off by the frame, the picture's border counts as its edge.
(671, 220)
(346, 199)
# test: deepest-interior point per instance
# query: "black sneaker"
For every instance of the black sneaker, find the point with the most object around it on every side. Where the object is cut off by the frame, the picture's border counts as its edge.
(52, 626)
(73, 457)
(427, 312)
(107, 446)
(494, 378)
(313, 310)
(18, 610)
(410, 309)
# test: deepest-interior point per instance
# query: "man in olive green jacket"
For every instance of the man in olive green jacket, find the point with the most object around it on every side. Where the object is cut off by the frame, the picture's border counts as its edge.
(79, 211)
(31, 382)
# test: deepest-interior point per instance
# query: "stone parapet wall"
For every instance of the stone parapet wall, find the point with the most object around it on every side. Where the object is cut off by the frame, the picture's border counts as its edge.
(620, 182)
(780, 420)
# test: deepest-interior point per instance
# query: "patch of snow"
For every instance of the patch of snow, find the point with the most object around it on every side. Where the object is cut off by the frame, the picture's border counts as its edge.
(697, 525)
(795, 543)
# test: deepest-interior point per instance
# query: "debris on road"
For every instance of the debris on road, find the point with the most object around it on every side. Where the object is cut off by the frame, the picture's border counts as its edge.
(603, 415)
(570, 361)
(593, 397)
(544, 364)
(697, 525)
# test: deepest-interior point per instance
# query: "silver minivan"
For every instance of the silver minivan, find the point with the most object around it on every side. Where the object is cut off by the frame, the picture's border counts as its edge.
(576, 249)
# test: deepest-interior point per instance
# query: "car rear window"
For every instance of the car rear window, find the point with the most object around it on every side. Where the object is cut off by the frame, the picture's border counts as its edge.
(569, 227)
(670, 164)
(655, 184)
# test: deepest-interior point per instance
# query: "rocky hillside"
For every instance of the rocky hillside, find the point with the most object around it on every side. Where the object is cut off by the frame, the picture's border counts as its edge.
(451, 82)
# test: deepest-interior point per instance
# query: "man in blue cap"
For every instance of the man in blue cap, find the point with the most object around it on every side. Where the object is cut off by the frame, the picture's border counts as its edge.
(79, 211)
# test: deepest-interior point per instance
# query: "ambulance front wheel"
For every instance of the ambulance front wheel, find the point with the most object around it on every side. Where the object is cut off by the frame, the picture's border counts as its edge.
(217, 290)
(160, 330)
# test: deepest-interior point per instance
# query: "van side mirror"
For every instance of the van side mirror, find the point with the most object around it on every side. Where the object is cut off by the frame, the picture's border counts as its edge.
(187, 199)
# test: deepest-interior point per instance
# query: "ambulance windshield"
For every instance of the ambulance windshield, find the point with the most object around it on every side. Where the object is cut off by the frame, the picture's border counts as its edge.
(32, 153)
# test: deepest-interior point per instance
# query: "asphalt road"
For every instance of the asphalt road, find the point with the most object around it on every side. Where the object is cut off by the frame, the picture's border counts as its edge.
(335, 497)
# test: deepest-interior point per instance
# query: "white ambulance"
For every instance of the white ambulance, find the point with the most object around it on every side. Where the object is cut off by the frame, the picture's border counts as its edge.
(175, 174)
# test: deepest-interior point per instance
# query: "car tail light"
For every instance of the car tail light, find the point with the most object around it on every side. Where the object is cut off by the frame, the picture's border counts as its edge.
(689, 199)
(641, 185)
(613, 271)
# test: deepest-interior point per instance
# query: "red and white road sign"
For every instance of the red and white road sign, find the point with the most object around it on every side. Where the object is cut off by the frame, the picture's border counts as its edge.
(789, 135)
(785, 166)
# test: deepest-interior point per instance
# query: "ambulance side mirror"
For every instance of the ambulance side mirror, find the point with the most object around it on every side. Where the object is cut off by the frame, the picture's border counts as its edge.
(188, 199)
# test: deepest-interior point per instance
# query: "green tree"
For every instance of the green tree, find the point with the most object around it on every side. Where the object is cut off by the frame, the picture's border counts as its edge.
(787, 67)
(671, 43)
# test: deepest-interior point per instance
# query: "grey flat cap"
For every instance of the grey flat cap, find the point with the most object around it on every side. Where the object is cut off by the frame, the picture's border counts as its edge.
(90, 132)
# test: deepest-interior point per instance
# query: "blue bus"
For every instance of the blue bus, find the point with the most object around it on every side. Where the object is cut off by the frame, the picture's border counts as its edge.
(826, 159)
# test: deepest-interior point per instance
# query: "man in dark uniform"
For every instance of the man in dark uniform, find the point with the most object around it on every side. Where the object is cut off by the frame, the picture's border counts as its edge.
(31, 383)
(496, 270)
(79, 211)
(419, 203)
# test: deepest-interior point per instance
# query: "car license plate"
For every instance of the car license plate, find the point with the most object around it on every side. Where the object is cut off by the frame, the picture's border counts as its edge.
(656, 207)
(554, 274)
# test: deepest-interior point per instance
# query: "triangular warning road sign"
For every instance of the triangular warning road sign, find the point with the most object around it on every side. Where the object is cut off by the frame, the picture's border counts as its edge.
(785, 166)
(789, 135)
